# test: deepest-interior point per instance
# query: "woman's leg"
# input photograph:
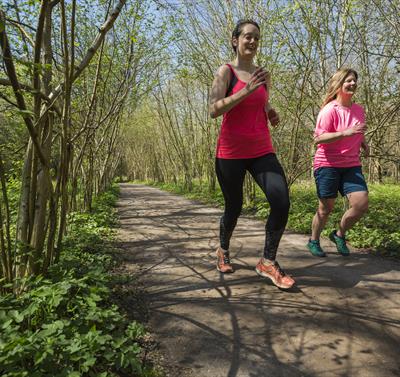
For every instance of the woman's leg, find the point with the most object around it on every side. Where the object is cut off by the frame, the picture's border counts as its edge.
(327, 180)
(325, 207)
(230, 174)
(269, 175)
(353, 185)
(358, 202)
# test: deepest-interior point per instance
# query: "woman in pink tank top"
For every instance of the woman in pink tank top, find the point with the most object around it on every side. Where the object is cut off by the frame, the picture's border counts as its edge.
(339, 135)
(240, 93)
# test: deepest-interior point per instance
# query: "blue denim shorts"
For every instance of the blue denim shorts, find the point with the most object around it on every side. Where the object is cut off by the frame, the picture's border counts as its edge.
(345, 180)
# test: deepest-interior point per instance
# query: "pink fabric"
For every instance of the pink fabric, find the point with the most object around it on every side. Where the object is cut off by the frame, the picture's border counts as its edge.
(244, 131)
(342, 153)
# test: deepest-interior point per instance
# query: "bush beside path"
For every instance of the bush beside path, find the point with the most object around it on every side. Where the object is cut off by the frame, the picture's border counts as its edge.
(342, 319)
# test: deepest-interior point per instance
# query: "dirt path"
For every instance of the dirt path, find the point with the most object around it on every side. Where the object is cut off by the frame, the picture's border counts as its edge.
(343, 319)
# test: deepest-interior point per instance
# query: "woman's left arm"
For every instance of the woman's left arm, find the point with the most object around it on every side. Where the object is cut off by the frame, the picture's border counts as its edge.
(273, 116)
(365, 146)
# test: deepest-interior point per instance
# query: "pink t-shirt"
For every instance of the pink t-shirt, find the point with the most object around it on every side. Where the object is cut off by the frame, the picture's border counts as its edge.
(342, 153)
(244, 130)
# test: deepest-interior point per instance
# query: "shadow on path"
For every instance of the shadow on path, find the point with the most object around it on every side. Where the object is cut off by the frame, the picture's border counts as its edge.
(342, 318)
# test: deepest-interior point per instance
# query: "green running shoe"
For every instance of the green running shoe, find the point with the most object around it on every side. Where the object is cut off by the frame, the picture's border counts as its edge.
(340, 243)
(315, 248)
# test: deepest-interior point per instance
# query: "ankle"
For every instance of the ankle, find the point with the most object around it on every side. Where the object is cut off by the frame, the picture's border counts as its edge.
(340, 234)
(267, 261)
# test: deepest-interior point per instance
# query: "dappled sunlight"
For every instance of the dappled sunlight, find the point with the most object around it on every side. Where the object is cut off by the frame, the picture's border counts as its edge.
(238, 324)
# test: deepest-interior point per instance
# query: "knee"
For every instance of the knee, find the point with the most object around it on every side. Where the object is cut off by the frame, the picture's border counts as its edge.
(232, 213)
(236, 213)
(280, 206)
(324, 211)
(361, 208)
(236, 210)
(278, 215)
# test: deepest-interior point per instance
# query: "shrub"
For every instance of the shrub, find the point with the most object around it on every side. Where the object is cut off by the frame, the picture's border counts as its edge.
(65, 324)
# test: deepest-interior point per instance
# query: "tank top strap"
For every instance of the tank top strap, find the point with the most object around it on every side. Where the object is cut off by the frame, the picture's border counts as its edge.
(232, 82)
(232, 70)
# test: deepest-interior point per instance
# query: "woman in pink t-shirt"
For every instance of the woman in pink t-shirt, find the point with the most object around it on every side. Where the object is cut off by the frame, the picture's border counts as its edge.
(240, 93)
(339, 135)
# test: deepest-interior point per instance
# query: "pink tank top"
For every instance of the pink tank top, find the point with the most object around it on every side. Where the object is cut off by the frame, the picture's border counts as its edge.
(244, 131)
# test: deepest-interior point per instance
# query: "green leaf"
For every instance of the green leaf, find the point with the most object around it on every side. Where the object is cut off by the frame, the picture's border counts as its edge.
(74, 374)
(6, 324)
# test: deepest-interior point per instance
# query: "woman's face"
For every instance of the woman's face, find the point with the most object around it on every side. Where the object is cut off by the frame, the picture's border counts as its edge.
(247, 43)
(349, 86)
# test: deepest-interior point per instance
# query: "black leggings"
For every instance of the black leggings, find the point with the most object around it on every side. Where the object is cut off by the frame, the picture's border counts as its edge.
(269, 175)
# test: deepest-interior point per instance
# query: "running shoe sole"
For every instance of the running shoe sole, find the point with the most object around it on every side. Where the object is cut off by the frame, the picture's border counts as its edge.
(226, 272)
(282, 286)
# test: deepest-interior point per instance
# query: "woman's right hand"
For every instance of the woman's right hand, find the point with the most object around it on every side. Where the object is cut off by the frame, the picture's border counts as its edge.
(259, 77)
(358, 128)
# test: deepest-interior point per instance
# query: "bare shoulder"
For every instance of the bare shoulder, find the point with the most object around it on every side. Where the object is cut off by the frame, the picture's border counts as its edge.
(220, 83)
(223, 72)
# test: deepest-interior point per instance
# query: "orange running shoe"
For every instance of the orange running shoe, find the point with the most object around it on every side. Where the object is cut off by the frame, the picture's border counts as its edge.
(274, 272)
(223, 261)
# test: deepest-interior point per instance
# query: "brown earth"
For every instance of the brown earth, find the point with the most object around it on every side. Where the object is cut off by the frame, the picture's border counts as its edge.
(341, 319)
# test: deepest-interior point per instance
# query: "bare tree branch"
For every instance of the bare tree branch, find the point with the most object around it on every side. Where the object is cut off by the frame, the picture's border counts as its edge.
(8, 61)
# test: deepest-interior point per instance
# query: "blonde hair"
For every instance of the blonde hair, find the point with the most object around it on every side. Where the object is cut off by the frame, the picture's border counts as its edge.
(336, 82)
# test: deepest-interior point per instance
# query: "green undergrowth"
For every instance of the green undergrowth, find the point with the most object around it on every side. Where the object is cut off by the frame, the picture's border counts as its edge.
(65, 323)
(378, 230)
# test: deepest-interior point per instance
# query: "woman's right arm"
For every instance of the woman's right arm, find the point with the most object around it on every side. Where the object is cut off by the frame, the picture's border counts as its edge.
(330, 137)
(219, 104)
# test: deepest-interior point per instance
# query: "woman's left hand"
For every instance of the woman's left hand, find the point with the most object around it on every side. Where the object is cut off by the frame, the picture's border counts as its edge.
(273, 117)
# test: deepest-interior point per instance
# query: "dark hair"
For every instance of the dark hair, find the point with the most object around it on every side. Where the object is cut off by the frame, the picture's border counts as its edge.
(238, 29)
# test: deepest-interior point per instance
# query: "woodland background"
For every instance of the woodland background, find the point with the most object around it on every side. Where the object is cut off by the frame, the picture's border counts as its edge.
(95, 90)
